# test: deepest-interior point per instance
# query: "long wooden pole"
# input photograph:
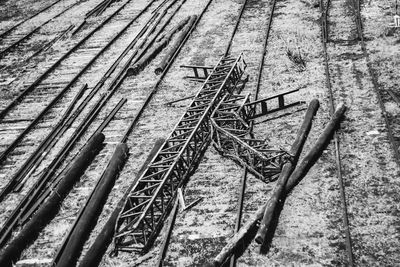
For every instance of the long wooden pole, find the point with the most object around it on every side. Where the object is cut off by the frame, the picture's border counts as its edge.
(99, 247)
(311, 157)
(50, 207)
(69, 251)
(287, 170)
(175, 45)
(158, 46)
(293, 180)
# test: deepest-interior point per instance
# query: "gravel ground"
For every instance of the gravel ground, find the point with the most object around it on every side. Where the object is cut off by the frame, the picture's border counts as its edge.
(310, 230)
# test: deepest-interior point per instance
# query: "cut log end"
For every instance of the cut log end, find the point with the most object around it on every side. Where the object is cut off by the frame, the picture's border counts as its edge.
(158, 70)
(259, 239)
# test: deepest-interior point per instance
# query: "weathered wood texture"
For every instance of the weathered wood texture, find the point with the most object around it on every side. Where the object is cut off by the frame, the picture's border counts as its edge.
(170, 53)
(158, 46)
(293, 180)
(70, 250)
(102, 241)
(287, 170)
(50, 207)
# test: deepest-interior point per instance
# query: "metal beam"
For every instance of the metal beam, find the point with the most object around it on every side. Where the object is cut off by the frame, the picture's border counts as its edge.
(151, 199)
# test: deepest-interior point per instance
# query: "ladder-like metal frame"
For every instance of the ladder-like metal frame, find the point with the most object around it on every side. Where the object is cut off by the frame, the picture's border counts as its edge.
(268, 105)
(200, 73)
(151, 199)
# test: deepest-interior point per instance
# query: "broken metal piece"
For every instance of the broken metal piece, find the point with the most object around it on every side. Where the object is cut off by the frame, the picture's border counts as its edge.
(260, 108)
(182, 201)
(200, 73)
(178, 100)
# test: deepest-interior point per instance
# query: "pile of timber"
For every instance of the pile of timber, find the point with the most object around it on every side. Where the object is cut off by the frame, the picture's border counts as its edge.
(48, 210)
(183, 26)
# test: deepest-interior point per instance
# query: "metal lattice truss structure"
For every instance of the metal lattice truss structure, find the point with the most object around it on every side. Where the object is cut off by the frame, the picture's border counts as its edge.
(151, 198)
(214, 114)
(231, 134)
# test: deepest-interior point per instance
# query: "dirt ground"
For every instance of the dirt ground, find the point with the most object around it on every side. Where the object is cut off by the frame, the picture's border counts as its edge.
(310, 230)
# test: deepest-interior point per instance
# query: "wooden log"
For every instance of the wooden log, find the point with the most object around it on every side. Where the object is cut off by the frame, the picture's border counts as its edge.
(99, 247)
(287, 170)
(160, 68)
(294, 179)
(312, 156)
(50, 207)
(177, 28)
(153, 52)
(69, 252)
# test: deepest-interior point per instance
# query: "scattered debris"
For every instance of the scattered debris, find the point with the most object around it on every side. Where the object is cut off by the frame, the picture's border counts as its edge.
(182, 201)
(297, 59)
(178, 100)
(374, 132)
(294, 54)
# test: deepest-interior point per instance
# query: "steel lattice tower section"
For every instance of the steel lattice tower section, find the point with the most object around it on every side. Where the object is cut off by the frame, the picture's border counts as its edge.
(231, 134)
(151, 199)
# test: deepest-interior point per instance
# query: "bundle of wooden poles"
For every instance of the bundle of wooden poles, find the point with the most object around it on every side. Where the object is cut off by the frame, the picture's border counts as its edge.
(290, 176)
(72, 245)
